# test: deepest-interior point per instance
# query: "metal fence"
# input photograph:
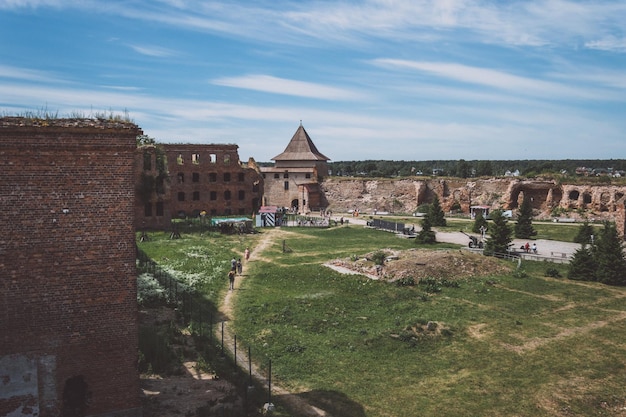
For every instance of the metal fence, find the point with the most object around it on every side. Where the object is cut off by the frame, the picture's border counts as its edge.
(203, 320)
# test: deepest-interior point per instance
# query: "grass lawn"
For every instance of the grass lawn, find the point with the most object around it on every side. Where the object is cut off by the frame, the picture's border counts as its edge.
(523, 345)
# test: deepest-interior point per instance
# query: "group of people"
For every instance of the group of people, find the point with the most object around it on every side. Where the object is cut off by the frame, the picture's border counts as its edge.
(236, 268)
(527, 248)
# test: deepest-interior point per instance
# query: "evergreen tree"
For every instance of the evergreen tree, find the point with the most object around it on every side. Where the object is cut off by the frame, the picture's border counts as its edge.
(437, 217)
(426, 235)
(479, 221)
(585, 231)
(608, 254)
(524, 225)
(484, 169)
(463, 169)
(499, 234)
(582, 267)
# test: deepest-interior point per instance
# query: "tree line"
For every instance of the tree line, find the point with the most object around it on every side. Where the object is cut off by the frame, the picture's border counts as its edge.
(467, 169)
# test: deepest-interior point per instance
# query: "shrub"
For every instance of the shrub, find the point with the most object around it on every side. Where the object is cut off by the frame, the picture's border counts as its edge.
(405, 282)
(379, 257)
(553, 272)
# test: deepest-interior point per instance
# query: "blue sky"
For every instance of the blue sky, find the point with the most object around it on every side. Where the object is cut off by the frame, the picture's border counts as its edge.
(371, 79)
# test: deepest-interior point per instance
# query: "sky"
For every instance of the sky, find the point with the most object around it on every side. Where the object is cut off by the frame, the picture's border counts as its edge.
(371, 79)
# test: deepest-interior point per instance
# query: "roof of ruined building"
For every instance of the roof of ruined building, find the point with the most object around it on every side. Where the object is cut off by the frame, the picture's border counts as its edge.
(93, 123)
(301, 148)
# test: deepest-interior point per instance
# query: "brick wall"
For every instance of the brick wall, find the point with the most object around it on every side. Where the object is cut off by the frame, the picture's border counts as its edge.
(67, 262)
(202, 177)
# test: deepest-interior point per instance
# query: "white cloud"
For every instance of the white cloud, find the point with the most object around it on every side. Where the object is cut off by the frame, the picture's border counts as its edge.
(498, 79)
(155, 51)
(609, 43)
(270, 84)
(26, 74)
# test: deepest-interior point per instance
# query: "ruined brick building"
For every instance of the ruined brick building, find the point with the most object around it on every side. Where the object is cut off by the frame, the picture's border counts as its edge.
(294, 180)
(184, 180)
(68, 315)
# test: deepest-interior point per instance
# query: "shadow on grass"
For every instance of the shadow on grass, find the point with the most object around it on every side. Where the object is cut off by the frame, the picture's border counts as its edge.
(334, 403)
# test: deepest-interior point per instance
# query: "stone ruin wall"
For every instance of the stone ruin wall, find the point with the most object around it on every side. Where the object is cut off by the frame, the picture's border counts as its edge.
(68, 320)
(596, 202)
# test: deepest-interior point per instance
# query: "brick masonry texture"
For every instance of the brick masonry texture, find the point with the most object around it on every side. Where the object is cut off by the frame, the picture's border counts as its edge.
(67, 260)
(200, 177)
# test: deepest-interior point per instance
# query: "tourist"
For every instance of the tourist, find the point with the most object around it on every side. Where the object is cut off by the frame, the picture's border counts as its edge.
(231, 279)
(246, 254)
(535, 248)
(239, 267)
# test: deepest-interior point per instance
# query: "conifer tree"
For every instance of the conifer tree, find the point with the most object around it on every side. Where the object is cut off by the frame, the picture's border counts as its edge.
(608, 254)
(585, 231)
(437, 216)
(582, 267)
(524, 225)
(499, 234)
(426, 235)
(479, 221)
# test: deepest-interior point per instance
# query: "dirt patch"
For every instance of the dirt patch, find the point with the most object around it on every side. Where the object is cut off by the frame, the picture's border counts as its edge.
(189, 388)
(424, 263)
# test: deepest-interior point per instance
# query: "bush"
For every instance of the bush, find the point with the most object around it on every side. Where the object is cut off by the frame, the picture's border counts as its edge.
(553, 272)
(379, 257)
(405, 282)
(149, 292)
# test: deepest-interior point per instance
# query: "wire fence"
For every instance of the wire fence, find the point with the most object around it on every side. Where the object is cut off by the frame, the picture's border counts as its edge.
(205, 323)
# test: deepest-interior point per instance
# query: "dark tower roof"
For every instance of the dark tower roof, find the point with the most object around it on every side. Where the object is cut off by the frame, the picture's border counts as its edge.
(301, 148)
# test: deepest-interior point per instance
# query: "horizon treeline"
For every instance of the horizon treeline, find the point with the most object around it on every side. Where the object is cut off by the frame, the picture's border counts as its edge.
(475, 168)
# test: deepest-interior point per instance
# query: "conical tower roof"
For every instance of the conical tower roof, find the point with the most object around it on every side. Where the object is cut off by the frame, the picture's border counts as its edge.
(301, 148)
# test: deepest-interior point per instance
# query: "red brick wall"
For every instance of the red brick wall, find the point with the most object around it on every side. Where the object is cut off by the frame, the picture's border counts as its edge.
(200, 170)
(68, 285)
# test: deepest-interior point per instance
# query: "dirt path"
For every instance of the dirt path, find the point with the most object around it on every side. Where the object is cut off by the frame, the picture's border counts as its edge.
(295, 403)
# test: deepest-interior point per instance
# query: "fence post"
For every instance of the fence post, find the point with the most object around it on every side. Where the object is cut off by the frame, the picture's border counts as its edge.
(269, 383)
(249, 367)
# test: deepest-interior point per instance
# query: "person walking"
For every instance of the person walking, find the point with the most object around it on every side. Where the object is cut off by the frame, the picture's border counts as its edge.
(246, 254)
(239, 267)
(231, 280)
(535, 248)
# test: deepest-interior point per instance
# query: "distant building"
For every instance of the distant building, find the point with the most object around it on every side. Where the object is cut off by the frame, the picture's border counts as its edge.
(294, 180)
(186, 181)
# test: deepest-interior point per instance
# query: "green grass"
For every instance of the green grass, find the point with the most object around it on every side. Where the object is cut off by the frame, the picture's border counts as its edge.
(531, 346)
(352, 338)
